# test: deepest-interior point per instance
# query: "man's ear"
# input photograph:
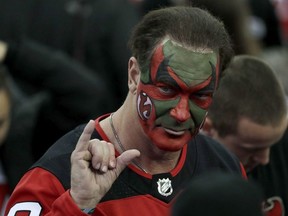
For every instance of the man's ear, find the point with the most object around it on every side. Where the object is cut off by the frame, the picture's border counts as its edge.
(133, 75)
(208, 127)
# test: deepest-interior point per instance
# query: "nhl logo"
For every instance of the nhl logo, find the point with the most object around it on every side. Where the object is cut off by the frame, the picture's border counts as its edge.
(165, 187)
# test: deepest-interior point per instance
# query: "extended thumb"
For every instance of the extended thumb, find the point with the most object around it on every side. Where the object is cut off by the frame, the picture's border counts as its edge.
(126, 158)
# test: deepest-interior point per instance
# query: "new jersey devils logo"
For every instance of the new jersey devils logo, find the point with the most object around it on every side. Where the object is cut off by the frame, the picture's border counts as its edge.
(274, 207)
(144, 106)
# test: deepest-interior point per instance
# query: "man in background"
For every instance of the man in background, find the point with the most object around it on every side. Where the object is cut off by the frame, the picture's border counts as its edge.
(249, 116)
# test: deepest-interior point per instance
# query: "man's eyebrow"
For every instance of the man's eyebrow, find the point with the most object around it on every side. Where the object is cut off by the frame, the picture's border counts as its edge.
(167, 79)
(208, 88)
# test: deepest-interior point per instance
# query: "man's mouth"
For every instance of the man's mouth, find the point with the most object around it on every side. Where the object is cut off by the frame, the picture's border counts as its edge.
(174, 133)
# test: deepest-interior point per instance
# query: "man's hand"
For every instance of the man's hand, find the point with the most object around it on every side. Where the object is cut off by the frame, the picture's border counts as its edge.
(94, 168)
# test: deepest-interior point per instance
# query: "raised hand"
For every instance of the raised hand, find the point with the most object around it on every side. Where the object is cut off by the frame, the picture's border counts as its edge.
(94, 168)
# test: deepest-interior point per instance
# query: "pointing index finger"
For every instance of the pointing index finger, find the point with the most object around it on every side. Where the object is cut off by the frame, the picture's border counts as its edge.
(85, 137)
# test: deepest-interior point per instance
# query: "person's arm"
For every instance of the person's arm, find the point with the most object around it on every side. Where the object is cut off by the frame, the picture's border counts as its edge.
(94, 168)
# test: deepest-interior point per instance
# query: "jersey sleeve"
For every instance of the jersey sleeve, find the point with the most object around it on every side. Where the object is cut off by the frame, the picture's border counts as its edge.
(40, 193)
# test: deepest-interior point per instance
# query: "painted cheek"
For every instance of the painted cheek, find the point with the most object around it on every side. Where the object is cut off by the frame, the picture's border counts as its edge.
(150, 103)
(198, 116)
(144, 106)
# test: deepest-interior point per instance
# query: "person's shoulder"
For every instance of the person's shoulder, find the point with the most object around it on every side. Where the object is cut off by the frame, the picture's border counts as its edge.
(57, 158)
(208, 142)
(212, 153)
(65, 144)
(279, 151)
(205, 143)
(282, 142)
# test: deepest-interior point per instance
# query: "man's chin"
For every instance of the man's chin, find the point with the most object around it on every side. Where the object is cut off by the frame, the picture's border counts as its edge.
(169, 140)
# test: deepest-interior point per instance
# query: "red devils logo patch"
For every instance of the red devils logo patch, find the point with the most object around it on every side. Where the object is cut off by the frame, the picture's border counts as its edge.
(274, 207)
(144, 106)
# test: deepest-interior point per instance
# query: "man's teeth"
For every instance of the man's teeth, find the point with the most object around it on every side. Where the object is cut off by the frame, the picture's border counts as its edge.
(177, 133)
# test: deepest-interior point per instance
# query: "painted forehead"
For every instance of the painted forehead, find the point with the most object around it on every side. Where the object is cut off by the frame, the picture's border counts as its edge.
(192, 67)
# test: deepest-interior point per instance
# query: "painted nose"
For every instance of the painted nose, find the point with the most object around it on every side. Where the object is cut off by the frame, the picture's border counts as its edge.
(181, 111)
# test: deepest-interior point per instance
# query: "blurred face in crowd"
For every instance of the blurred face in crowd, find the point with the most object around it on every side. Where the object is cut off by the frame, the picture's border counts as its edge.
(4, 115)
(175, 93)
(252, 142)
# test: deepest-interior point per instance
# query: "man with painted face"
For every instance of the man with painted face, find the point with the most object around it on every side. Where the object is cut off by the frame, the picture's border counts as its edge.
(136, 160)
(173, 96)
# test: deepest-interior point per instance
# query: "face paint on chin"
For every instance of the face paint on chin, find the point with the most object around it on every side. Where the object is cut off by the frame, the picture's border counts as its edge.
(168, 142)
(161, 138)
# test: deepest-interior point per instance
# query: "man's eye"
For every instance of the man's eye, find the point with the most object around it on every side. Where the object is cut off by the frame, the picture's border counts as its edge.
(203, 100)
(202, 96)
(166, 90)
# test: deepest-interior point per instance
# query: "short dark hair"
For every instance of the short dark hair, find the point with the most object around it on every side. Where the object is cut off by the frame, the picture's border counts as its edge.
(249, 89)
(189, 26)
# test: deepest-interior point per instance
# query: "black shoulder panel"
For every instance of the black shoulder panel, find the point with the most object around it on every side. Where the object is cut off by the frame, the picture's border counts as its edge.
(57, 158)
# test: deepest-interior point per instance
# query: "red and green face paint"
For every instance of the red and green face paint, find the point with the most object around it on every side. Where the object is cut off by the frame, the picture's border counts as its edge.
(175, 93)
